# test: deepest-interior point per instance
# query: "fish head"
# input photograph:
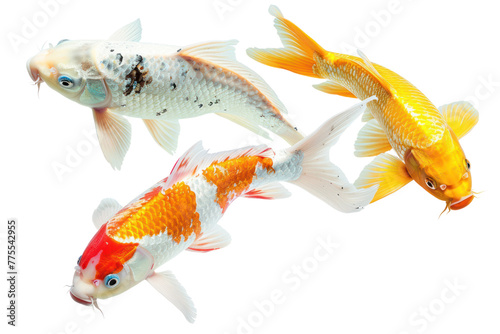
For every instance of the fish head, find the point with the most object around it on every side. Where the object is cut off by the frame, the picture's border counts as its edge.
(108, 268)
(69, 69)
(444, 173)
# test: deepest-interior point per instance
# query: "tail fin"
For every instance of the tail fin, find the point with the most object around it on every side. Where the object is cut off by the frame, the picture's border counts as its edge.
(298, 54)
(322, 178)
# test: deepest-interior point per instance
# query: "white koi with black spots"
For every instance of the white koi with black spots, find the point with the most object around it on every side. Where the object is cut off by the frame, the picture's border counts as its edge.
(160, 84)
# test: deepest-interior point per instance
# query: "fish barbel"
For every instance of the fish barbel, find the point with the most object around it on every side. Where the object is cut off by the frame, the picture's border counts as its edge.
(424, 137)
(181, 211)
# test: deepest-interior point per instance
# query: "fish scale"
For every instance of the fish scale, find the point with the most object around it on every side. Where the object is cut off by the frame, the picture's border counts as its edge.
(182, 211)
(160, 84)
(173, 216)
(402, 118)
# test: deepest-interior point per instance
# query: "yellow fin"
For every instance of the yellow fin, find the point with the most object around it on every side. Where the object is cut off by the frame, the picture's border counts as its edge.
(386, 171)
(331, 87)
(371, 140)
(298, 54)
(367, 64)
(461, 117)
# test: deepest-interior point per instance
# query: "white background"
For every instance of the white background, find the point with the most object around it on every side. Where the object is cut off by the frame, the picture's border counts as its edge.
(394, 258)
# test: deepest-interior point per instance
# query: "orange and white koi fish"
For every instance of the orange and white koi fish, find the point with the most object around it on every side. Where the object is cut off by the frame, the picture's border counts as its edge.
(424, 137)
(181, 211)
(160, 84)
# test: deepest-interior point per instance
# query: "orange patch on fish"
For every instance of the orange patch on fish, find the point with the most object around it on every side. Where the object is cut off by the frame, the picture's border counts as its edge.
(172, 211)
(233, 177)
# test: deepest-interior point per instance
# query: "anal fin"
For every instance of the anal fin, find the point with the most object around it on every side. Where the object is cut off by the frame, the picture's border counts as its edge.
(371, 140)
(386, 171)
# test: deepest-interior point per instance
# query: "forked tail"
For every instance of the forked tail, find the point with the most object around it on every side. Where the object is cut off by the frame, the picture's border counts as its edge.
(298, 54)
(322, 178)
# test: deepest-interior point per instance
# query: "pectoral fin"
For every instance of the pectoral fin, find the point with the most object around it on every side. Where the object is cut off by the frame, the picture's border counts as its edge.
(165, 133)
(105, 211)
(331, 87)
(386, 171)
(166, 284)
(461, 117)
(215, 239)
(371, 140)
(113, 132)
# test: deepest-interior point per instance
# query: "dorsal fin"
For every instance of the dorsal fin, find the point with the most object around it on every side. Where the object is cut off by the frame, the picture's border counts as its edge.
(131, 32)
(197, 159)
(367, 64)
(222, 54)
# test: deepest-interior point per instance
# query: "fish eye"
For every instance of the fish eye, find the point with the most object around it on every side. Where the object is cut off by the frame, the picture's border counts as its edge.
(65, 81)
(467, 164)
(78, 262)
(62, 41)
(111, 281)
(430, 183)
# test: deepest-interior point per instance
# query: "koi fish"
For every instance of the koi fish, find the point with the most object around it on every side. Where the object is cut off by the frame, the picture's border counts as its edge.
(181, 211)
(424, 137)
(160, 84)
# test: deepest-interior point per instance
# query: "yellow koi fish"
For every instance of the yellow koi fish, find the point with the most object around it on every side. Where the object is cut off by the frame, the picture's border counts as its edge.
(424, 137)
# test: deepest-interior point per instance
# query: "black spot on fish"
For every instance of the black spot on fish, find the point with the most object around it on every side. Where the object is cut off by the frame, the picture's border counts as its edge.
(210, 104)
(200, 105)
(137, 78)
(179, 50)
(123, 105)
(196, 69)
(217, 101)
(184, 73)
(112, 50)
(196, 99)
(187, 98)
(295, 128)
(173, 85)
(161, 112)
(119, 57)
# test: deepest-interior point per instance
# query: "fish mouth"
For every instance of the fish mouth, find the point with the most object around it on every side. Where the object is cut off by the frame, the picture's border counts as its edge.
(80, 300)
(462, 202)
